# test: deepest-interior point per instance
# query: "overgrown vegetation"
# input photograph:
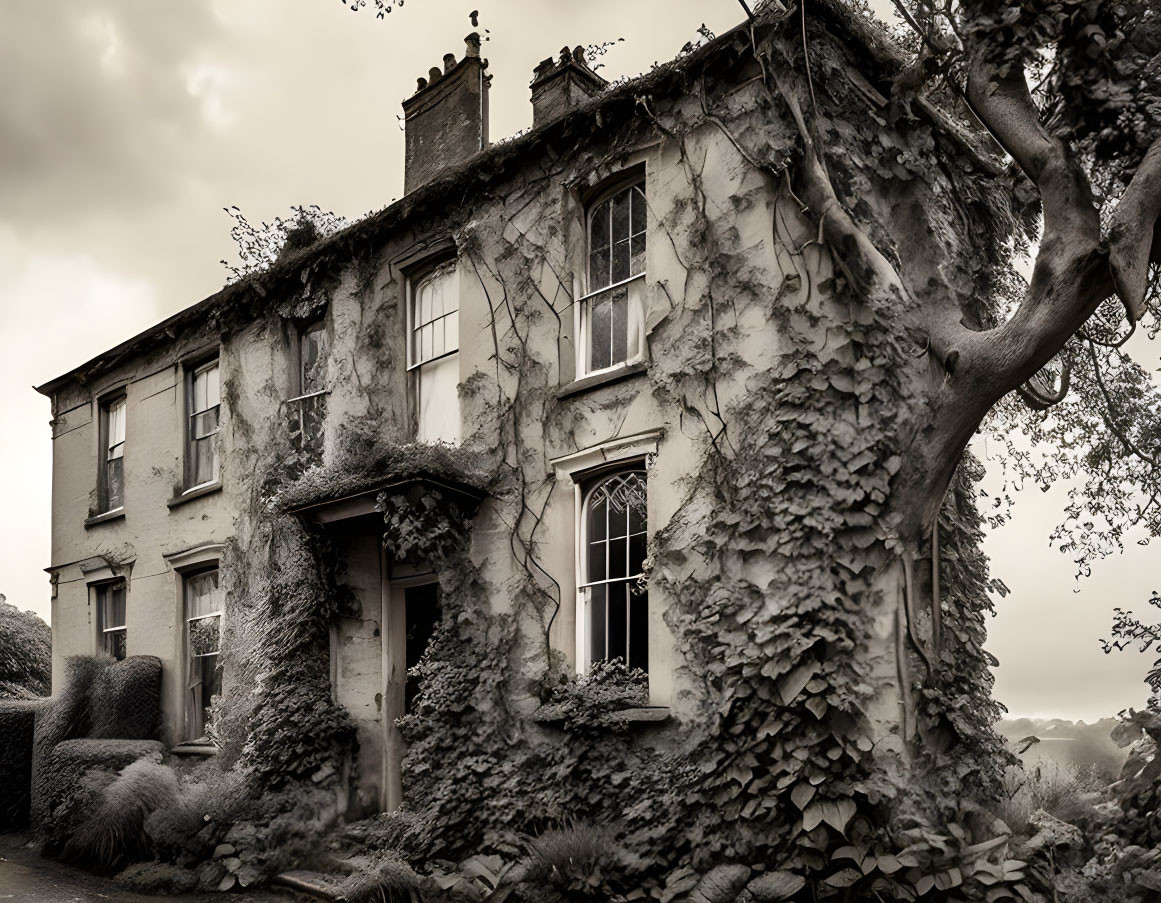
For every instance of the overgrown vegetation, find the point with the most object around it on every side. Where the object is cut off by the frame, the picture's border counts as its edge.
(819, 569)
(25, 653)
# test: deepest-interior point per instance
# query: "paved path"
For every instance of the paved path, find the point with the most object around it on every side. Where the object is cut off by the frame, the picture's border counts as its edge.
(26, 877)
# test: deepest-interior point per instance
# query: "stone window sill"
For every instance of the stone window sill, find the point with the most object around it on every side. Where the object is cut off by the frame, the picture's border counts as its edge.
(196, 493)
(107, 517)
(551, 715)
(586, 383)
(195, 748)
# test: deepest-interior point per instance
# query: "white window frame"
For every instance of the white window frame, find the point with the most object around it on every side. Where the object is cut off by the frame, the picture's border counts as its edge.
(187, 652)
(101, 593)
(106, 408)
(619, 454)
(414, 285)
(190, 452)
(596, 483)
(189, 563)
(583, 306)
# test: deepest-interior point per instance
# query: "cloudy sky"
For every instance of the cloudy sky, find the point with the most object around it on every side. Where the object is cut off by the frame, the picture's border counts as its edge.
(127, 125)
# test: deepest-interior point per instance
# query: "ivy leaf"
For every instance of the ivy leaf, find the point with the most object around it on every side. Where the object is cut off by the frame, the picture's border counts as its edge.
(794, 682)
(837, 813)
(776, 886)
(845, 878)
(802, 794)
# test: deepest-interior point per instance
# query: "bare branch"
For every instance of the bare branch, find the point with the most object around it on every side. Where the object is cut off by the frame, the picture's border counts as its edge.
(1109, 418)
(1133, 233)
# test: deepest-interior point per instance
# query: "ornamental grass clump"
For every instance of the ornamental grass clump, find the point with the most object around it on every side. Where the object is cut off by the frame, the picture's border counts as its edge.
(113, 833)
(578, 860)
(390, 880)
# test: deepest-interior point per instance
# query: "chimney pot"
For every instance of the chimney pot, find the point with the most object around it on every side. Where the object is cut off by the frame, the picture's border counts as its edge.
(559, 87)
(446, 120)
(420, 84)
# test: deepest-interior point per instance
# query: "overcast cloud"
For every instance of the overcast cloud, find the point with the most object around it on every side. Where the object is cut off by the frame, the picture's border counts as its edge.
(127, 125)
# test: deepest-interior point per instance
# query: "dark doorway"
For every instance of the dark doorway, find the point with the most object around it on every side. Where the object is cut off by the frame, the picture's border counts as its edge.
(422, 613)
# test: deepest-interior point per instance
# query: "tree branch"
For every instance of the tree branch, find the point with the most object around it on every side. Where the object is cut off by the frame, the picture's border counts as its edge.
(1133, 234)
(1071, 276)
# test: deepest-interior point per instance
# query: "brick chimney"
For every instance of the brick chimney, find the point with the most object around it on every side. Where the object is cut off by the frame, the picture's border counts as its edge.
(558, 87)
(446, 119)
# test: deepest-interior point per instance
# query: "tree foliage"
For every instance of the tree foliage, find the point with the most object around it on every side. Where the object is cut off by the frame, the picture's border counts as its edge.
(25, 653)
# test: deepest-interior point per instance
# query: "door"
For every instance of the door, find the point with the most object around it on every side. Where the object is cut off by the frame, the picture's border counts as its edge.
(411, 614)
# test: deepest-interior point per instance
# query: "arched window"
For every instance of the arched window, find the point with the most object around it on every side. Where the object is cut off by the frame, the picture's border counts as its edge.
(612, 318)
(433, 347)
(613, 554)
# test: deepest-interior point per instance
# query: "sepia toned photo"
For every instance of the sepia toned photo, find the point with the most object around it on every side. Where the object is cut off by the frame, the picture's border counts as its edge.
(690, 451)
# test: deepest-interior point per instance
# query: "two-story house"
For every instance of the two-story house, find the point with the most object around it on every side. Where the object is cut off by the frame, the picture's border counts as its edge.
(602, 314)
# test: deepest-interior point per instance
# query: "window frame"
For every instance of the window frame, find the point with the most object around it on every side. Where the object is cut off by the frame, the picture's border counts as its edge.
(297, 375)
(626, 181)
(100, 596)
(189, 700)
(414, 281)
(588, 483)
(105, 406)
(192, 371)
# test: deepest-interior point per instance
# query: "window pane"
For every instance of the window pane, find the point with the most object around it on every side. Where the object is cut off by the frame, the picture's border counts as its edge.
(599, 326)
(621, 216)
(114, 484)
(597, 514)
(114, 607)
(199, 391)
(437, 343)
(205, 423)
(202, 594)
(598, 269)
(599, 227)
(314, 355)
(437, 387)
(114, 644)
(617, 626)
(596, 561)
(597, 597)
(204, 635)
(637, 255)
(452, 331)
(637, 547)
(618, 557)
(620, 261)
(425, 342)
(618, 508)
(115, 423)
(213, 390)
(639, 630)
(638, 218)
(620, 325)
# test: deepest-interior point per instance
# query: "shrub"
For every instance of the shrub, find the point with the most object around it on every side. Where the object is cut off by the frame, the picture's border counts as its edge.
(113, 833)
(125, 702)
(1062, 790)
(579, 860)
(71, 778)
(390, 880)
(17, 718)
(25, 653)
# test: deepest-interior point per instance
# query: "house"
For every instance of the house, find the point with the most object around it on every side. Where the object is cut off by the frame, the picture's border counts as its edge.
(572, 341)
